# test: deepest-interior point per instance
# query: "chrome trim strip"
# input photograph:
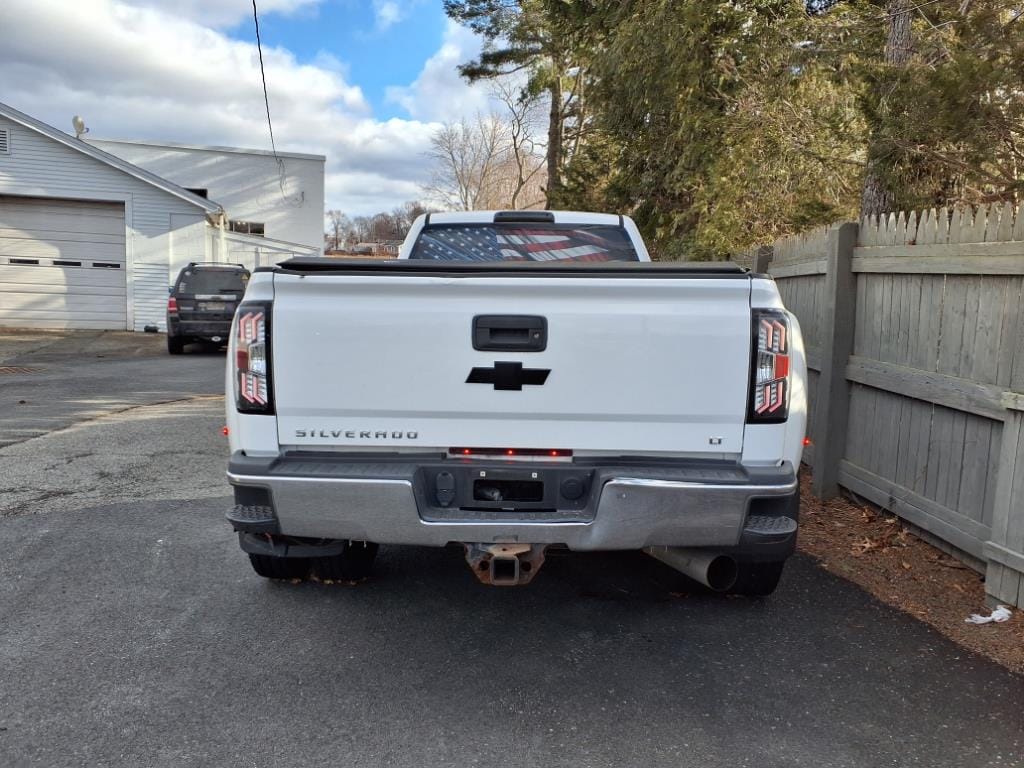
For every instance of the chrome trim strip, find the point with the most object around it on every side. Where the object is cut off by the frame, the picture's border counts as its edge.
(748, 490)
(270, 479)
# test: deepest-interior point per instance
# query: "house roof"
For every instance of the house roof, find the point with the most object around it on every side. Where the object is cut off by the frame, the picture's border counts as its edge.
(210, 148)
(104, 157)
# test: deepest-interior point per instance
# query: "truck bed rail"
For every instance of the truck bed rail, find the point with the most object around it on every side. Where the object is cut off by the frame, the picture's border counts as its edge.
(425, 268)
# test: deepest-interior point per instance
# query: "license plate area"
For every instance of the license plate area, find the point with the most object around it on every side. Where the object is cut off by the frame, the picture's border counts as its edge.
(469, 486)
(508, 491)
(212, 306)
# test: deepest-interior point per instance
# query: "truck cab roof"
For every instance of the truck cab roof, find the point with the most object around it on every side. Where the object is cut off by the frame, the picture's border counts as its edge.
(553, 217)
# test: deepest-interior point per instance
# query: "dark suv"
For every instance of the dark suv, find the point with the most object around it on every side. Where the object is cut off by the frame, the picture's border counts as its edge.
(202, 303)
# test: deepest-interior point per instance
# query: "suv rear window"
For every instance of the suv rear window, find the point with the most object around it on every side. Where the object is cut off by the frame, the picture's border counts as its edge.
(212, 281)
(524, 242)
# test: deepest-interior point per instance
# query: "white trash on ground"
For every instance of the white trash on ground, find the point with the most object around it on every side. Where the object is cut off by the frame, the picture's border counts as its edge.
(999, 615)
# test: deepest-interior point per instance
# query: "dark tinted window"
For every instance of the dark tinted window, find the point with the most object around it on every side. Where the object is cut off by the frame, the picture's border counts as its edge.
(212, 281)
(524, 242)
(248, 227)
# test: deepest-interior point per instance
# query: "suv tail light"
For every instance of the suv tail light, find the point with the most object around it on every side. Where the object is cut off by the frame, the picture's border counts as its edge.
(769, 375)
(172, 305)
(253, 387)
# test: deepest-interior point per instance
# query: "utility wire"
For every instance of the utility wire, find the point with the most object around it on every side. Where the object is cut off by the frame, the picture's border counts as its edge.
(266, 101)
(263, 77)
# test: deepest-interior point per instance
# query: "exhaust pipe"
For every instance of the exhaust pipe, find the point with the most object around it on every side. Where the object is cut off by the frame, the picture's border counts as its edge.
(712, 569)
(505, 565)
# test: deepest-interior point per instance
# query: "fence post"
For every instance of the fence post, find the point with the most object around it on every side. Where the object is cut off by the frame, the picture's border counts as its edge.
(832, 406)
(1004, 577)
(762, 259)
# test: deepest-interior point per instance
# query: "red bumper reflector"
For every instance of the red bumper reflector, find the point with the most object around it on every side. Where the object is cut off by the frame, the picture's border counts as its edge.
(781, 366)
(225, 431)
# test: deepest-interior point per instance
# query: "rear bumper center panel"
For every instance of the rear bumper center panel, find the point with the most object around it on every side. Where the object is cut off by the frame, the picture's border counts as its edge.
(431, 500)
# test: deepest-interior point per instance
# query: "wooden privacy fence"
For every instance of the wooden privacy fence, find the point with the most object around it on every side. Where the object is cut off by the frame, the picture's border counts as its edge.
(914, 328)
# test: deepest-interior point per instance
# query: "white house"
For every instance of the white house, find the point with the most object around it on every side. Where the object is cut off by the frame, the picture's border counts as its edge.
(275, 196)
(91, 240)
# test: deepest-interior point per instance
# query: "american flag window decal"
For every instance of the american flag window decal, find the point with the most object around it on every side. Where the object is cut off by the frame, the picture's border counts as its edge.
(519, 242)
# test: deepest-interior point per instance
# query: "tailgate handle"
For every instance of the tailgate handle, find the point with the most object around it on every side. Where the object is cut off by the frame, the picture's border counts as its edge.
(510, 333)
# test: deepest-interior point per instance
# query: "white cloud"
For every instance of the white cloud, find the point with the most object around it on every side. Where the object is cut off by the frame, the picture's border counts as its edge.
(440, 93)
(136, 71)
(220, 13)
(387, 13)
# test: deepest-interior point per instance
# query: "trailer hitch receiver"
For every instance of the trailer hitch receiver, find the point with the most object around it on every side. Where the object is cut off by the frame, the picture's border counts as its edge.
(505, 565)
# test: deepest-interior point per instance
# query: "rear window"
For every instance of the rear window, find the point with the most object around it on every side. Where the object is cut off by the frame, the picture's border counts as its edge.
(524, 242)
(212, 281)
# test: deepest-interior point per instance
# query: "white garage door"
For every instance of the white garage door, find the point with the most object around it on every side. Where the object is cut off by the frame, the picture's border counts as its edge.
(62, 264)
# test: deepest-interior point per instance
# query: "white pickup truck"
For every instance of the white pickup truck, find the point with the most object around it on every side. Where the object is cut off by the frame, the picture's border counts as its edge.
(516, 381)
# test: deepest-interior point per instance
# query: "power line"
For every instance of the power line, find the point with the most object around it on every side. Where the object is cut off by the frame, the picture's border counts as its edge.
(270, 124)
(263, 77)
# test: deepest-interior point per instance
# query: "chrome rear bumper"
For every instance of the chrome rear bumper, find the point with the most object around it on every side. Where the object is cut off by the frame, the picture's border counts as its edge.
(628, 507)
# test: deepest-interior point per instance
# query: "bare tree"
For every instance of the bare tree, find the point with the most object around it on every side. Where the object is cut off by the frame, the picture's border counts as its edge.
(382, 227)
(524, 163)
(465, 155)
(344, 232)
(493, 161)
(363, 228)
(339, 227)
(405, 214)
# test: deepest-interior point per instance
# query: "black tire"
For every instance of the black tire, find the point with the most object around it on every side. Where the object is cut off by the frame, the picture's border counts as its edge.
(175, 345)
(355, 562)
(757, 579)
(288, 568)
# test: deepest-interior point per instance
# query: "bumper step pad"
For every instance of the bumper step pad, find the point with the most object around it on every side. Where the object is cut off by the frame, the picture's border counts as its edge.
(762, 525)
(253, 518)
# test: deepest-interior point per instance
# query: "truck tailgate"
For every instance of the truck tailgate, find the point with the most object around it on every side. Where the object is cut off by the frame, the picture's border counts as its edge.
(634, 365)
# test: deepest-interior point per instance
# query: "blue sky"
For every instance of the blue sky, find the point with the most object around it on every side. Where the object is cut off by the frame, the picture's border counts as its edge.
(380, 46)
(366, 83)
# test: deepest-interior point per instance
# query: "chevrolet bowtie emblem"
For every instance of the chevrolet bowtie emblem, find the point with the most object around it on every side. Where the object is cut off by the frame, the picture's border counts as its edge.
(509, 376)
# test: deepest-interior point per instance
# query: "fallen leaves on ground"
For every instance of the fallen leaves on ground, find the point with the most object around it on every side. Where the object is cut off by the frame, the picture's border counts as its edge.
(874, 549)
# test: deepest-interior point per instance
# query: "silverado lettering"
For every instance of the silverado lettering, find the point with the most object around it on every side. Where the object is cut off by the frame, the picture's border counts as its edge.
(350, 434)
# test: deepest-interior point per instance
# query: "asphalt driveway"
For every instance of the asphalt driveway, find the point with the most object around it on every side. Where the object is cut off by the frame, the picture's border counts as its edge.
(132, 632)
(49, 380)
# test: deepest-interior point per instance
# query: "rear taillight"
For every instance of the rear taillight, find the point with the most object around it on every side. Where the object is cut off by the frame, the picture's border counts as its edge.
(769, 376)
(172, 305)
(253, 390)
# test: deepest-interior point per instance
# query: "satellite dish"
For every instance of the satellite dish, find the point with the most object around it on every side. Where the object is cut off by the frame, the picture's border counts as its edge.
(79, 125)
